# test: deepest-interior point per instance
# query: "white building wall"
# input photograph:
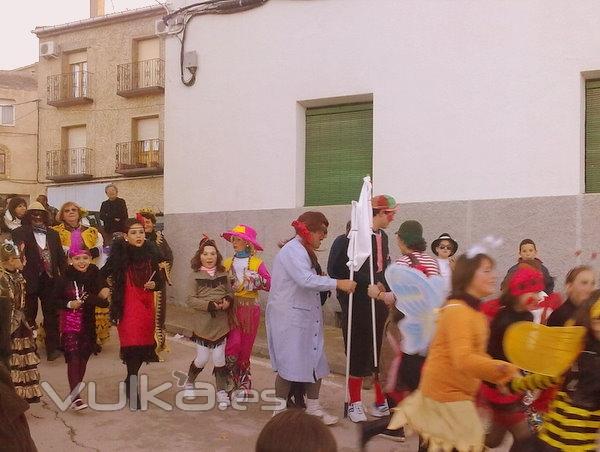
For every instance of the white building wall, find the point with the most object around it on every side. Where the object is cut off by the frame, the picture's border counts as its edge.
(472, 99)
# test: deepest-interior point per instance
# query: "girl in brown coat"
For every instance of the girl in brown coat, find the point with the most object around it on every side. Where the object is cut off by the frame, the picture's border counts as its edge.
(211, 323)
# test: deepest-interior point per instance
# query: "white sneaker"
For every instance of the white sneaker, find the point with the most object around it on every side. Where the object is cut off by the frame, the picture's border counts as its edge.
(223, 400)
(326, 418)
(382, 410)
(356, 413)
(78, 405)
(188, 391)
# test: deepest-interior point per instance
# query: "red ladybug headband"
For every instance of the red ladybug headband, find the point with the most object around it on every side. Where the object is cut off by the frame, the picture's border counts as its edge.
(526, 280)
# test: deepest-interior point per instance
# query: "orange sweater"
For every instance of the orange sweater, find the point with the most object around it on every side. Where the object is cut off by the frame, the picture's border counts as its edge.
(457, 360)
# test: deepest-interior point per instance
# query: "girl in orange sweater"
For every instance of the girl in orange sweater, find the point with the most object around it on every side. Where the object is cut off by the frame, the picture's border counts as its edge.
(442, 410)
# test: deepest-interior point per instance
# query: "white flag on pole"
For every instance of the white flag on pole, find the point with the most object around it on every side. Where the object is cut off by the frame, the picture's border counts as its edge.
(361, 229)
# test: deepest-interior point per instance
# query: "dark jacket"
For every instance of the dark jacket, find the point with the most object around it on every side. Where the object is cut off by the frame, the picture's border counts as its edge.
(505, 318)
(337, 268)
(90, 282)
(34, 266)
(565, 312)
(114, 215)
(582, 382)
(122, 257)
(548, 280)
(5, 339)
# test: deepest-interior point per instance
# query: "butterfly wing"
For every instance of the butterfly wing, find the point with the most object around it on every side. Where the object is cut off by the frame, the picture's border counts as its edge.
(541, 349)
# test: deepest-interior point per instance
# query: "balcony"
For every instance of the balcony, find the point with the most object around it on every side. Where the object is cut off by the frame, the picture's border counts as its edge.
(64, 90)
(141, 78)
(136, 158)
(65, 165)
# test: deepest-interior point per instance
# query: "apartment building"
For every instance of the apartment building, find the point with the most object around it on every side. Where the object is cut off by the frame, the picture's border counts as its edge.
(19, 170)
(101, 90)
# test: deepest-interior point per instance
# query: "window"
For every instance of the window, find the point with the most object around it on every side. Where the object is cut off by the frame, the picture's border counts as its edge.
(339, 152)
(76, 150)
(79, 74)
(147, 147)
(147, 71)
(7, 112)
(592, 136)
(2, 163)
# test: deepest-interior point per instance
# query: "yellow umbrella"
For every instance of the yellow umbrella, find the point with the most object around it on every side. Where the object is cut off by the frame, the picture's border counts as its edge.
(541, 349)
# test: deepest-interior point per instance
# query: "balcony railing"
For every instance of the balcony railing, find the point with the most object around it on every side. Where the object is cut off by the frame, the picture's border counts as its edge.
(140, 157)
(141, 78)
(69, 164)
(69, 89)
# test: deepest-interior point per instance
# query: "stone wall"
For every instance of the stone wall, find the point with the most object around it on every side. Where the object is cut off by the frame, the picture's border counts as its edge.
(559, 225)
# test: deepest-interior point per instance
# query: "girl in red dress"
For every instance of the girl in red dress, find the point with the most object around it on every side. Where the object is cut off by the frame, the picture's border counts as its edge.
(133, 270)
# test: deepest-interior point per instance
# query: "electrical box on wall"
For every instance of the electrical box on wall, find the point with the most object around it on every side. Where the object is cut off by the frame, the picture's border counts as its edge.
(190, 60)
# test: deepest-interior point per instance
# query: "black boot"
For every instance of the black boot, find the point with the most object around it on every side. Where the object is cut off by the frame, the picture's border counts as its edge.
(193, 372)
(379, 427)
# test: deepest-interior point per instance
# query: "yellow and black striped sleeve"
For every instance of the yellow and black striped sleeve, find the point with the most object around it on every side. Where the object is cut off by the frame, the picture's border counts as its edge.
(570, 428)
(532, 382)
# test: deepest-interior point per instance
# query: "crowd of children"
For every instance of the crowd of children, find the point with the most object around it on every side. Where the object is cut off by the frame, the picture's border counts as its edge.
(441, 391)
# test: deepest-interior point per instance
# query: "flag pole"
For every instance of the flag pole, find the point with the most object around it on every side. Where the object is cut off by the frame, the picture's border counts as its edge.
(348, 341)
(375, 360)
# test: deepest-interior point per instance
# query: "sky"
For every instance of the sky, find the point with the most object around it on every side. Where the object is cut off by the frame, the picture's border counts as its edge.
(20, 46)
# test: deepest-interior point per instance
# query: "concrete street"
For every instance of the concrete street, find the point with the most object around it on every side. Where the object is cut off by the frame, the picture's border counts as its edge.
(161, 430)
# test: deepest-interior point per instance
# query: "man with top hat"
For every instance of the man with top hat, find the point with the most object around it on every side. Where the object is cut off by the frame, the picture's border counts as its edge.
(45, 262)
(249, 274)
(361, 351)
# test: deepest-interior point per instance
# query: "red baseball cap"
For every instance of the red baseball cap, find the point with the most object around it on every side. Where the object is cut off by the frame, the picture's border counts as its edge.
(384, 202)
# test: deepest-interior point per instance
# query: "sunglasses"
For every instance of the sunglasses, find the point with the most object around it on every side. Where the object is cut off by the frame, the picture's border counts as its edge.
(445, 247)
(74, 209)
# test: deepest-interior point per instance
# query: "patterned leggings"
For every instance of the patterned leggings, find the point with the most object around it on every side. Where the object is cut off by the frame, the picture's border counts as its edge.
(241, 339)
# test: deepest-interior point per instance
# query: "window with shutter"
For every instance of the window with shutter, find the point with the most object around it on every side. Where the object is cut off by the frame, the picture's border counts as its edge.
(7, 112)
(2, 163)
(592, 136)
(339, 153)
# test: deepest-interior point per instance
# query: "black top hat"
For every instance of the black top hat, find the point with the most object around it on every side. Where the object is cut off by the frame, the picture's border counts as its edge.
(444, 236)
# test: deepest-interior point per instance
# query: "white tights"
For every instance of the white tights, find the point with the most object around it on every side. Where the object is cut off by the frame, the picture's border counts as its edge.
(203, 354)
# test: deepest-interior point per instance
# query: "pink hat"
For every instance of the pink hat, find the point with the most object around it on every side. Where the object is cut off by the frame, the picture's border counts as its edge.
(245, 233)
(77, 246)
(77, 249)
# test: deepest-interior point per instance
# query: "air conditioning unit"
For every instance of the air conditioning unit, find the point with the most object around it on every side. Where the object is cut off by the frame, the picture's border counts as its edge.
(49, 49)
